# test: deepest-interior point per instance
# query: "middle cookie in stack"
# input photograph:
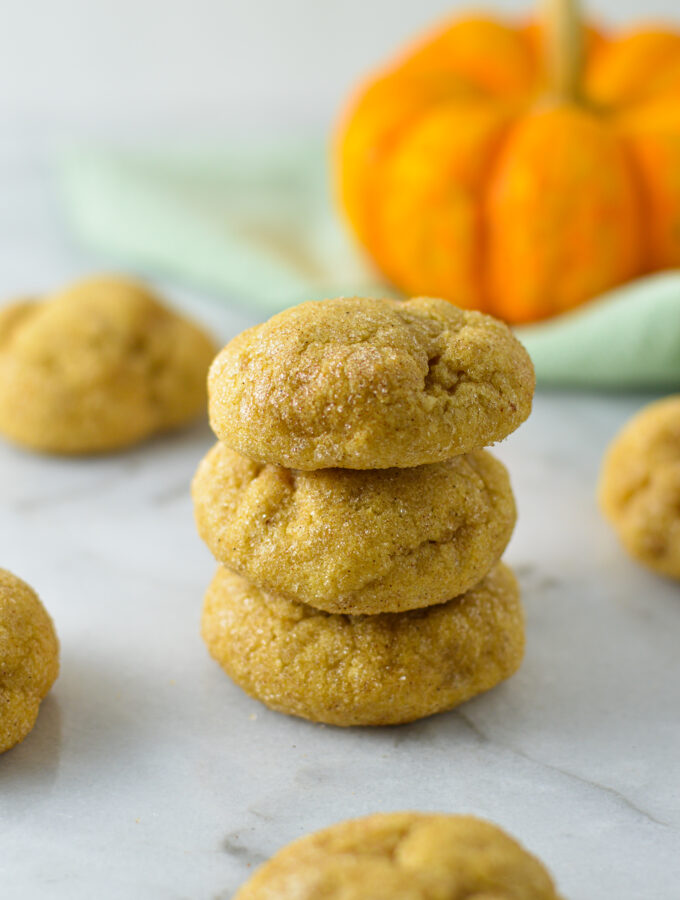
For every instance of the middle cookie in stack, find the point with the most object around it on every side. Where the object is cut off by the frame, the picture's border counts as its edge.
(336, 600)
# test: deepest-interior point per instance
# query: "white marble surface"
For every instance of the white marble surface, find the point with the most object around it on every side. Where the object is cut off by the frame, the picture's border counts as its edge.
(150, 775)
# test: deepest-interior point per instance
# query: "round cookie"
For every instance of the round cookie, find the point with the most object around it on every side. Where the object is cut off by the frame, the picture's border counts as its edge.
(369, 384)
(349, 541)
(364, 670)
(639, 488)
(98, 366)
(29, 658)
(403, 856)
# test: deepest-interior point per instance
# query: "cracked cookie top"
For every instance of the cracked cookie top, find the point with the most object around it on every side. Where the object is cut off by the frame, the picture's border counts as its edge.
(356, 541)
(403, 856)
(369, 384)
(29, 658)
(98, 366)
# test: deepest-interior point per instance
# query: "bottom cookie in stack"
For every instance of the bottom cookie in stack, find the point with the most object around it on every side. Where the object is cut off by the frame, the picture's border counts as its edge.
(383, 669)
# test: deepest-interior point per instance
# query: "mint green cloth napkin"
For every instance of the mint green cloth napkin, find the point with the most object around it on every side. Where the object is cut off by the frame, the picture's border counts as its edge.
(258, 227)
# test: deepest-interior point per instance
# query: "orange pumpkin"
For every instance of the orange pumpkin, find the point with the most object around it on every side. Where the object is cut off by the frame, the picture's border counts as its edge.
(518, 170)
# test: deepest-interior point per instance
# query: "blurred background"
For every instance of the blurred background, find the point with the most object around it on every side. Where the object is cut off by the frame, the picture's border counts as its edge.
(212, 65)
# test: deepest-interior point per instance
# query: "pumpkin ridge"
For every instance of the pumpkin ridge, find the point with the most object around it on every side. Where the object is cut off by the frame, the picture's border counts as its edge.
(484, 217)
(626, 95)
(452, 245)
(386, 141)
(375, 240)
(651, 135)
(644, 204)
(575, 240)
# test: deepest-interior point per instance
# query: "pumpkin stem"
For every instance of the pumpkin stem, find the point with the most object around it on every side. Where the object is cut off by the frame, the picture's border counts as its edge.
(564, 49)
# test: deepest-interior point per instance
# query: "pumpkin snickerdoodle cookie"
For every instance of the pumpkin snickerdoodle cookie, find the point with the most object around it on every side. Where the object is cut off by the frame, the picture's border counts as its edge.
(403, 856)
(639, 487)
(29, 658)
(369, 384)
(98, 366)
(364, 670)
(354, 541)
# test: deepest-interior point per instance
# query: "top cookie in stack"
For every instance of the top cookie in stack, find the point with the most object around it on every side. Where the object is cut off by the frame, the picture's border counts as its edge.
(359, 520)
(369, 384)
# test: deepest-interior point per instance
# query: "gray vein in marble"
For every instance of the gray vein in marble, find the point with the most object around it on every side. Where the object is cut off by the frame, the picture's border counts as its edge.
(233, 846)
(612, 792)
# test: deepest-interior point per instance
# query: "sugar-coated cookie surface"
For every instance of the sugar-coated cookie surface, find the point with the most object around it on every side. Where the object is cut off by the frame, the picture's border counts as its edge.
(353, 541)
(369, 384)
(639, 487)
(29, 658)
(403, 856)
(364, 670)
(98, 366)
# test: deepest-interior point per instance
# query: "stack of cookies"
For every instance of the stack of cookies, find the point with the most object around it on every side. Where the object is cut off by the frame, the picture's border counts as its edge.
(358, 522)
